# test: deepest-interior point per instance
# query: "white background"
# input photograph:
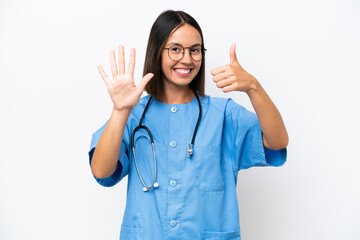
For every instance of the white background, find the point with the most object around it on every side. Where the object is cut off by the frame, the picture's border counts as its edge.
(306, 54)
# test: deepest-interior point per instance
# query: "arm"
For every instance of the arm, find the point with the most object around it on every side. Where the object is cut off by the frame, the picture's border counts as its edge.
(106, 154)
(125, 95)
(274, 132)
(233, 77)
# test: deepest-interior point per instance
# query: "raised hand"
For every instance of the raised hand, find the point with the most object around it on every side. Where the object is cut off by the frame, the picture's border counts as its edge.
(122, 89)
(232, 77)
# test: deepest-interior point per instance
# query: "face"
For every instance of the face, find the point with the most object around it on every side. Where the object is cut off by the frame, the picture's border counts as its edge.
(182, 72)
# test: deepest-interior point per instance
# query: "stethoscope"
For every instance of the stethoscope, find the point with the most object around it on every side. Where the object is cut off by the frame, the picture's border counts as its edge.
(189, 147)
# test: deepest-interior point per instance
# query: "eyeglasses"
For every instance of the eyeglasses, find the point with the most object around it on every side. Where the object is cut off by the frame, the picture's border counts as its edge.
(177, 52)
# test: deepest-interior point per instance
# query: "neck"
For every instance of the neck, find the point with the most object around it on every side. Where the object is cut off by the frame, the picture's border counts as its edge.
(177, 95)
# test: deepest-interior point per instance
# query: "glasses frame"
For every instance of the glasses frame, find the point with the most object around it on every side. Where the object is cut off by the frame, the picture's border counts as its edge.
(203, 50)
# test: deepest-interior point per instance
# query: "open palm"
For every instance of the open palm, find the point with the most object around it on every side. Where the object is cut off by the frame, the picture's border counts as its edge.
(122, 89)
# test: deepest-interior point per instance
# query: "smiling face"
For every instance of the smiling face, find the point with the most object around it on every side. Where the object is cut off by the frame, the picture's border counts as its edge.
(181, 73)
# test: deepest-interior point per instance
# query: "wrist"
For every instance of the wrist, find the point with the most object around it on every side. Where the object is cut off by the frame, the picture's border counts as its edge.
(253, 88)
(121, 111)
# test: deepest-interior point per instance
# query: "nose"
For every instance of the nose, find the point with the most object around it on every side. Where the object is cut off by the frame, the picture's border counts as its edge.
(187, 56)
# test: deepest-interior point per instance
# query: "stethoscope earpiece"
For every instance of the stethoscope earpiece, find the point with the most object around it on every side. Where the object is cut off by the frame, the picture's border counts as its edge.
(155, 185)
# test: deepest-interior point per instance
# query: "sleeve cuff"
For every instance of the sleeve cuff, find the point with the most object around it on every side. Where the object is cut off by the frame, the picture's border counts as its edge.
(111, 180)
(267, 157)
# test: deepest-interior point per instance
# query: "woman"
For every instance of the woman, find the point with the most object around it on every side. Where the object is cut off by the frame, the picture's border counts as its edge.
(184, 187)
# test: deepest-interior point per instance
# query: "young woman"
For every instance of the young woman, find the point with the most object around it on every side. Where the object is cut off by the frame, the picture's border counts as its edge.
(180, 148)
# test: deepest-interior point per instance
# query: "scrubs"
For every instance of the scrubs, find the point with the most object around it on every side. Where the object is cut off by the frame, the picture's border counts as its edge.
(196, 197)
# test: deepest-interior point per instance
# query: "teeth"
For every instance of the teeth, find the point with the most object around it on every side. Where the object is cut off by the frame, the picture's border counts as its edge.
(182, 70)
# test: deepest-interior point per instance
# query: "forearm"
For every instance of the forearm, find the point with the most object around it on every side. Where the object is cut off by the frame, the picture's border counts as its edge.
(274, 132)
(106, 154)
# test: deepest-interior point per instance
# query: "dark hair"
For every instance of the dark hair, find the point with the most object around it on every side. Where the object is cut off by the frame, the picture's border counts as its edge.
(164, 25)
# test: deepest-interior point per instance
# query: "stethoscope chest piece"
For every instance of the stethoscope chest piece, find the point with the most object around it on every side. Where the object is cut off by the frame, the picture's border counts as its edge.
(189, 150)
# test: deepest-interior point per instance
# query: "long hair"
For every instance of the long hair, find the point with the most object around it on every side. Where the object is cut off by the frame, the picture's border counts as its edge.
(164, 25)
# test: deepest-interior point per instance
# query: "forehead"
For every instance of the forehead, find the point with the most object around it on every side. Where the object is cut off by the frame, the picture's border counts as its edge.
(185, 35)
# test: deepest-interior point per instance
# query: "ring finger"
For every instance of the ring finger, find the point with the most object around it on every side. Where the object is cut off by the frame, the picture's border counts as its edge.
(114, 70)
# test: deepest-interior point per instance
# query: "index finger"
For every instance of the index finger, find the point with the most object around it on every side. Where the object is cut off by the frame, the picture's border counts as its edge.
(218, 70)
(131, 66)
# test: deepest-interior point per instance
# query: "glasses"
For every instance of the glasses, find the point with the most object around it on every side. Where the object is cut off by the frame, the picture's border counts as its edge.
(177, 52)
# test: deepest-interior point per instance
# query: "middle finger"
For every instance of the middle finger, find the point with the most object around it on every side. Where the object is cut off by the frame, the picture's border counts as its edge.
(220, 76)
(121, 60)
(224, 83)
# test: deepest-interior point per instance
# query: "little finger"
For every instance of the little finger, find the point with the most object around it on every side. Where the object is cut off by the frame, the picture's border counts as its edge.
(103, 75)
(229, 88)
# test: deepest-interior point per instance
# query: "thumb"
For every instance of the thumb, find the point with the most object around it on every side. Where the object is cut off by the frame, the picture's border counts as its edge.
(144, 81)
(233, 53)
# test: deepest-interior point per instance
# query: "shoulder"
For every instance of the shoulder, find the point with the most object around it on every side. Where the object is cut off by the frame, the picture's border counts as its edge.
(217, 104)
(224, 105)
(232, 111)
(139, 108)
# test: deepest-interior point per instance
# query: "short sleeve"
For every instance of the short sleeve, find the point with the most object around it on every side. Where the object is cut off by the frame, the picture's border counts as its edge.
(123, 168)
(243, 137)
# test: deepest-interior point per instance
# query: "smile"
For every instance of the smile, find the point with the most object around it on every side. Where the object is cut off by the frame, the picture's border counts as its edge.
(182, 70)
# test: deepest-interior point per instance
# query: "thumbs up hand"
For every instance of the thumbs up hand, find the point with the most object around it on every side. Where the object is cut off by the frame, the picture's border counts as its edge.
(232, 77)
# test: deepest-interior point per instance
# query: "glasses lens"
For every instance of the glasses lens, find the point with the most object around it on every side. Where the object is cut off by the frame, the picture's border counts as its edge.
(196, 53)
(176, 52)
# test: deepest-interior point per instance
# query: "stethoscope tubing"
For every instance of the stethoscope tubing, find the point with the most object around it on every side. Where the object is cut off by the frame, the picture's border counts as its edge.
(146, 188)
(141, 126)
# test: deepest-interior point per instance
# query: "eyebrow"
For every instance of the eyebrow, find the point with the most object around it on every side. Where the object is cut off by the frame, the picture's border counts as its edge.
(175, 43)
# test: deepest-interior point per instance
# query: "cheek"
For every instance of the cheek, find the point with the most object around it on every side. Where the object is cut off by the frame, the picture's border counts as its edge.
(165, 64)
(198, 66)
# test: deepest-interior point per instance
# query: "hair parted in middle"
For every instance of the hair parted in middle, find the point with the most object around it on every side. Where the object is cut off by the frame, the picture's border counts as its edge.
(167, 22)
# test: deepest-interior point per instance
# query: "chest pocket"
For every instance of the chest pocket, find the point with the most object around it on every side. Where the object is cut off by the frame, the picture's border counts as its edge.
(209, 177)
(131, 233)
(235, 235)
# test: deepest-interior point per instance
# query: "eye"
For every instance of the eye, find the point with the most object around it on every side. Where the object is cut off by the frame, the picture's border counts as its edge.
(195, 50)
(175, 49)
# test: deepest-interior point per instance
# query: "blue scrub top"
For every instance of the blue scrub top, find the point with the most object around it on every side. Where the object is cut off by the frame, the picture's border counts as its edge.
(196, 197)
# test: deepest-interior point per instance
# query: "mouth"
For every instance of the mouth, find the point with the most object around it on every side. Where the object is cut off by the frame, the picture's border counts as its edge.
(183, 71)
